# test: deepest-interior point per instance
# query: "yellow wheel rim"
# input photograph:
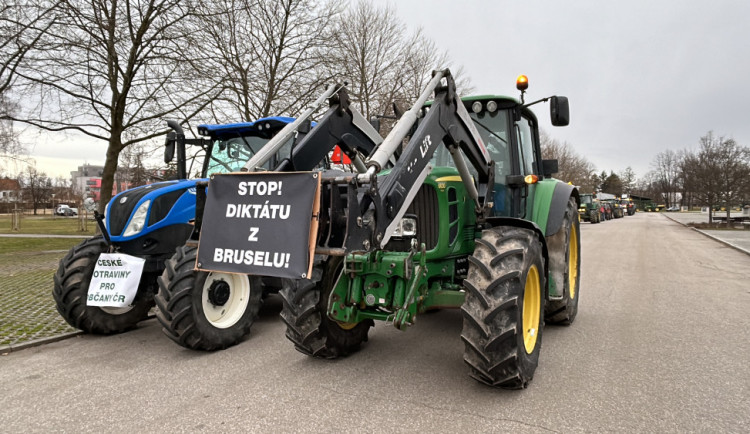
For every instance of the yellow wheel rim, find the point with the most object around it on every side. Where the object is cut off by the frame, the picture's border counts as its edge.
(573, 262)
(532, 299)
(347, 325)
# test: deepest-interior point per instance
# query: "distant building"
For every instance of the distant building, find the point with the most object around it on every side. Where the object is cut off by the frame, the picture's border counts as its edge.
(10, 190)
(84, 180)
(10, 194)
(87, 181)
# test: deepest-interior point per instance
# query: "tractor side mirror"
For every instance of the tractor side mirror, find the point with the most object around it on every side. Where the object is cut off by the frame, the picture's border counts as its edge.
(549, 167)
(169, 147)
(559, 111)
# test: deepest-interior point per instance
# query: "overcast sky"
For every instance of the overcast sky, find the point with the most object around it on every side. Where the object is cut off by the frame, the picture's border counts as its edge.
(641, 76)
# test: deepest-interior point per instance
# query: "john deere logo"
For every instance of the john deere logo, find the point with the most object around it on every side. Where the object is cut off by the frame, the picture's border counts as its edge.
(124, 199)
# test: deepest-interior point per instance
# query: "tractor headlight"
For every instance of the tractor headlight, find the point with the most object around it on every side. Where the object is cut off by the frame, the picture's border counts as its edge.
(476, 107)
(407, 227)
(138, 221)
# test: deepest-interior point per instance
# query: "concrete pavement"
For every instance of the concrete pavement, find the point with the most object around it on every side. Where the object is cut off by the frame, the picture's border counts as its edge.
(737, 239)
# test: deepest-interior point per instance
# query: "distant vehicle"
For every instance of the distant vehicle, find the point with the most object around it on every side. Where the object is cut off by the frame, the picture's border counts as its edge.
(617, 211)
(589, 209)
(65, 210)
(673, 209)
(627, 205)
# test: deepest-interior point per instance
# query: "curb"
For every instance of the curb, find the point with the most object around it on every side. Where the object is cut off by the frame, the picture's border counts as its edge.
(726, 243)
(7, 349)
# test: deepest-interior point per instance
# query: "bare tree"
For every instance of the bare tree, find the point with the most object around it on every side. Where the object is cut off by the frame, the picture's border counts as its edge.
(666, 166)
(685, 178)
(370, 53)
(114, 70)
(382, 62)
(571, 166)
(132, 170)
(421, 58)
(272, 52)
(628, 179)
(22, 24)
(37, 187)
(10, 146)
(720, 172)
(645, 187)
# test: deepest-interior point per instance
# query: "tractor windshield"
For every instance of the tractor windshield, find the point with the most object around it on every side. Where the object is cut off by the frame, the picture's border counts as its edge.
(231, 154)
(493, 127)
(586, 199)
(494, 130)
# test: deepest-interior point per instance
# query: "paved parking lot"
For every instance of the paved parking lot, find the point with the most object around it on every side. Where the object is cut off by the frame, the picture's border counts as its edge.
(27, 311)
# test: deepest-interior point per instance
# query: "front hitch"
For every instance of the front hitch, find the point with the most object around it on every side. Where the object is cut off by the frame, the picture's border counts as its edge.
(103, 229)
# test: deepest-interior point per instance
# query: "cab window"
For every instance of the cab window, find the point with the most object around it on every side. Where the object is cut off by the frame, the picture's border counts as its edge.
(526, 146)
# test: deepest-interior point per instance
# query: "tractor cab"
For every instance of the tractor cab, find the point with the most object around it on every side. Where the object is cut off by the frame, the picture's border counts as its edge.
(232, 145)
(509, 133)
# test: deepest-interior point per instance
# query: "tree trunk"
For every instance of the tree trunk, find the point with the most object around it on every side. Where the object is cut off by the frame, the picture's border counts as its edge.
(110, 167)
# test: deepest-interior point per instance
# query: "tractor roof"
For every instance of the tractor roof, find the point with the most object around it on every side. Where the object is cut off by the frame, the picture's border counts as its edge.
(510, 99)
(221, 130)
(486, 97)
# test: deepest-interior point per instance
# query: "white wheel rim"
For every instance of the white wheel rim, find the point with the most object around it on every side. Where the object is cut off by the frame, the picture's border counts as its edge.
(116, 310)
(227, 314)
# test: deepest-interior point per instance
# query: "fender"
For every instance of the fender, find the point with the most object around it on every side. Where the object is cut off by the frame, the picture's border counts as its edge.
(529, 225)
(553, 196)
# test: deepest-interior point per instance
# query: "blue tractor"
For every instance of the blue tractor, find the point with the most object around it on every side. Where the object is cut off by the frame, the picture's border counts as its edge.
(152, 221)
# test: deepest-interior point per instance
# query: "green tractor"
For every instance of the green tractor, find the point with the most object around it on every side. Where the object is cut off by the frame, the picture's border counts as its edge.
(468, 217)
(589, 209)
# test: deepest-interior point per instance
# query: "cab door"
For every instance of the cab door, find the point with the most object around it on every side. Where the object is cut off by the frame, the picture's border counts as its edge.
(525, 131)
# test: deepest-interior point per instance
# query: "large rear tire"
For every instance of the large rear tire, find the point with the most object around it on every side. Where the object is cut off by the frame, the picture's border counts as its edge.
(565, 265)
(205, 310)
(71, 286)
(305, 306)
(504, 307)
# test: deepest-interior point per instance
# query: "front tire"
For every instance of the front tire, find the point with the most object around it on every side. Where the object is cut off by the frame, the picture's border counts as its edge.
(71, 286)
(504, 307)
(205, 310)
(305, 307)
(565, 265)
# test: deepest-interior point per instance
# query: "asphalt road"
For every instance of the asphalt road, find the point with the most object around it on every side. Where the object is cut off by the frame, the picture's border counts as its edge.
(661, 344)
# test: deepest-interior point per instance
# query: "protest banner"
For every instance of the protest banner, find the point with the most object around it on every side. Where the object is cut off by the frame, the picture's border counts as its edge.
(260, 223)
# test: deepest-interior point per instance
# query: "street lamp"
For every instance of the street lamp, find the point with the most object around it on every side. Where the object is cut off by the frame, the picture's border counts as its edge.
(54, 214)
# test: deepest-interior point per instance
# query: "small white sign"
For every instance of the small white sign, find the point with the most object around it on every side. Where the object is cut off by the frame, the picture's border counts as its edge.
(115, 280)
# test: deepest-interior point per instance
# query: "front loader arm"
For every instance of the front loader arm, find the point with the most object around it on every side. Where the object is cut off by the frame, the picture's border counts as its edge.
(342, 124)
(448, 122)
